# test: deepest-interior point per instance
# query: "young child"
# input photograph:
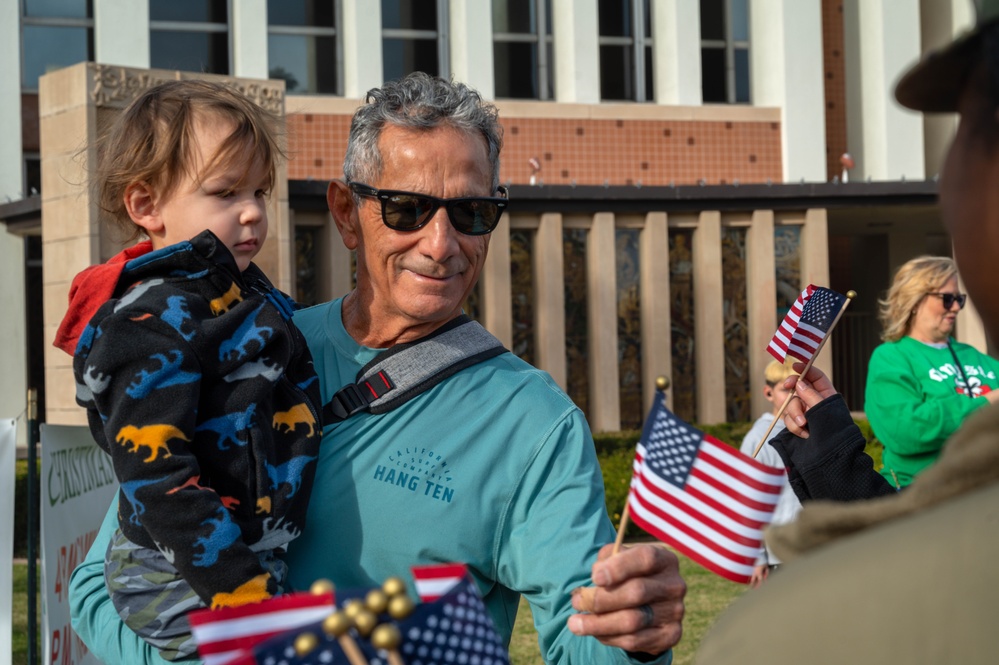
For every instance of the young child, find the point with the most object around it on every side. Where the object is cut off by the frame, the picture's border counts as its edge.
(194, 379)
(788, 505)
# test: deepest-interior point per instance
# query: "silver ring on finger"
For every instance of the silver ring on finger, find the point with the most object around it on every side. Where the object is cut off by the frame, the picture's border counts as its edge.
(648, 616)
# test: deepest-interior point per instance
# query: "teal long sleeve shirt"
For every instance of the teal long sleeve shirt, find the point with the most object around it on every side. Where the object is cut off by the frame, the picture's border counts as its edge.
(494, 467)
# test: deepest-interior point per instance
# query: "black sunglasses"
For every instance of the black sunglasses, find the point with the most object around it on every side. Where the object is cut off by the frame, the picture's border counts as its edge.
(407, 211)
(950, 298)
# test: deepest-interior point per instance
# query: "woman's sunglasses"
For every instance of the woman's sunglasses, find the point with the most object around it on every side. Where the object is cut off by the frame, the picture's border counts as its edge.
(950, 298)
(406, 211)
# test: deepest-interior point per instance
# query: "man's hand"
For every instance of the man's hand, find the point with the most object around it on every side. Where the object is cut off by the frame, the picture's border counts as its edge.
(809, 390)
(636, 603)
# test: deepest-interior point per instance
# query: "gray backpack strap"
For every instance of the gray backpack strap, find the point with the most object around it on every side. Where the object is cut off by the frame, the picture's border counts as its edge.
(399, 374)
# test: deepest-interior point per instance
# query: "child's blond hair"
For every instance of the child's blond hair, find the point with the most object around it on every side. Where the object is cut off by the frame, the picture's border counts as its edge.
(776, 372)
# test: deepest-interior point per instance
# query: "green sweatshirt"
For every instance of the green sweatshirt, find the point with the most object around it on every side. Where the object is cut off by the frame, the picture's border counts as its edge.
(917, 397)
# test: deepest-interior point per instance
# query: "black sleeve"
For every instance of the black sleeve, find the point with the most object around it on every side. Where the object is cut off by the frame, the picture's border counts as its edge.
(830, 463)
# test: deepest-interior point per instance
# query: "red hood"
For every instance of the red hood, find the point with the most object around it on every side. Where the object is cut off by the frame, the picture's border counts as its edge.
(90, 289)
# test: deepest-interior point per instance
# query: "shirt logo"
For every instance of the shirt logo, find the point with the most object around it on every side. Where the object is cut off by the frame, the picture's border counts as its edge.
(418, 470)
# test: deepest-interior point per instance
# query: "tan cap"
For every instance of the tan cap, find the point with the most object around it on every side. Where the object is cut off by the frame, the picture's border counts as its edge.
(934, 84)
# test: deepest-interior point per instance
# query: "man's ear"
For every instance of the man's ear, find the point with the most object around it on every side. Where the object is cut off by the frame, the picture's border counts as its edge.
(140, 203)
(344, 211)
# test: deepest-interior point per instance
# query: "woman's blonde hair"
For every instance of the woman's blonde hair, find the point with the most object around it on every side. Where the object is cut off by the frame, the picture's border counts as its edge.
(916, 278)
(152, 141)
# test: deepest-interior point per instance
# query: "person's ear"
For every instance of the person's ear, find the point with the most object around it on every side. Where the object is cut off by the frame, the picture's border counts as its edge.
(344, 210)
(140, 204)
(768, 392)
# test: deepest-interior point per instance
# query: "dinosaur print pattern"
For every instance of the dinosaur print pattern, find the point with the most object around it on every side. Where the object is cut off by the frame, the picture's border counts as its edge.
(288, 473)
(253, 591)
(230, 427)
(224, 534)
(154, 437)
(168, 374)
(224, 303)
(136, 292)
(129, 489)
(300, 414)
(237, 346)
(176, 314)
(94, 383)
(258, 368)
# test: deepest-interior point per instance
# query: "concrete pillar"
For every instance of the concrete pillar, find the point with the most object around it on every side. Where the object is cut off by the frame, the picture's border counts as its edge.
(815, 268)
(471, 33)
(601, 287)
(786, 71)
(121, 33)
(362, 47)
(248, 26)
(494, 286)
(577, 55)
(881, 40)
(676, 52)
(549, 301)
(941, 21)
(654, 286)
(761, 302)
(709, 323)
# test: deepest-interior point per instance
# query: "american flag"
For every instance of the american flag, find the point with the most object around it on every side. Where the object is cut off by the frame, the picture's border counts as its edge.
(228, 634)
(433, 581)
(700, 496)
(806, 324)
(456, 628)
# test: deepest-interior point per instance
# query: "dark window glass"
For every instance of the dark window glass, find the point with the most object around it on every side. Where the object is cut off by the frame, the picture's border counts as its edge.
(32, 176)
(306, 63)
(787, 261)
(47, 48)
(742, 75)
(576, 324)
(616, 73)
(59, 8)
(629, 327)
(650, 88)
(189, 51)
(516, 70)
(712, 19)
(713, 75)
(681, 291)
(648, 19)
(514, 16)
(314, 13)
(34, 318)
(307, 257)
(197, 11)
(403, 56)
(409, 15)
(522, 292)
(736, 325)
(740, 20)
(615, 18)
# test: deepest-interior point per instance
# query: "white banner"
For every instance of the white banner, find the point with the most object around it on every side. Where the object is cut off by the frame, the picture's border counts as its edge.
(77, 486)
(8, 440)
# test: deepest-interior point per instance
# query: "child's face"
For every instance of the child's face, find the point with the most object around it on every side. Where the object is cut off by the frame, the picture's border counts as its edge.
(234, 211)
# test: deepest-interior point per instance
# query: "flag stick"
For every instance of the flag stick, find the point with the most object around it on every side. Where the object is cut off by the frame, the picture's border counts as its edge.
(850, 295)
(662, 384)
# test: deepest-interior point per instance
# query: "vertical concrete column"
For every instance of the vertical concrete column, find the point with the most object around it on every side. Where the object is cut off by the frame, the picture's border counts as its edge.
(761, 301)
(786, 72)
(13, 388)
(940, 22)
(549, 301)
(248, 26)
(362, 47)
(471, 33)
(601, 287)
(656, 339)
(815, 268)
(881, 39)
(494, 286)
(577, 54)
(121, 33)
(676, 52)
(709, 322)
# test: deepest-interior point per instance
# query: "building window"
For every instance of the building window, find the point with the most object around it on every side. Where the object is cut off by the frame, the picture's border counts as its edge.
(54, 34)
(414, 38)
(522, 293)
(523, 49)
(576, 317)
(302, 45)
(629, 326)
(189, 35)
(626, 50)
(725, 51)
(32, 174)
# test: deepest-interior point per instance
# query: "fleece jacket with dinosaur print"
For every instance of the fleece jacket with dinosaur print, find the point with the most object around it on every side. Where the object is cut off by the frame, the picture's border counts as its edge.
(203, 393)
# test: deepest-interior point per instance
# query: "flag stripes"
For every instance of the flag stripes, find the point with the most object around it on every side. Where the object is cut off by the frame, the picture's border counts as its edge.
(433, 581)
(782, 339)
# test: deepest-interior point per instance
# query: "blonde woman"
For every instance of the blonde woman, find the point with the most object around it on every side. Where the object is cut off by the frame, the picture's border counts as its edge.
(921, 383)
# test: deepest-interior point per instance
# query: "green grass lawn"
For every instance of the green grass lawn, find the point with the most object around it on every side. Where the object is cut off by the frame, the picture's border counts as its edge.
(707, 595)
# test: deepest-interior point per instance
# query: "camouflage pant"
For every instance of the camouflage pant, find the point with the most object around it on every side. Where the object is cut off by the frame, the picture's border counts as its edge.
(153, 599)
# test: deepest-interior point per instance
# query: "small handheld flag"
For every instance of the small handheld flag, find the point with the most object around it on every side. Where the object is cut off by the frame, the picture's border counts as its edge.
(806, 324)
(700, 496)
